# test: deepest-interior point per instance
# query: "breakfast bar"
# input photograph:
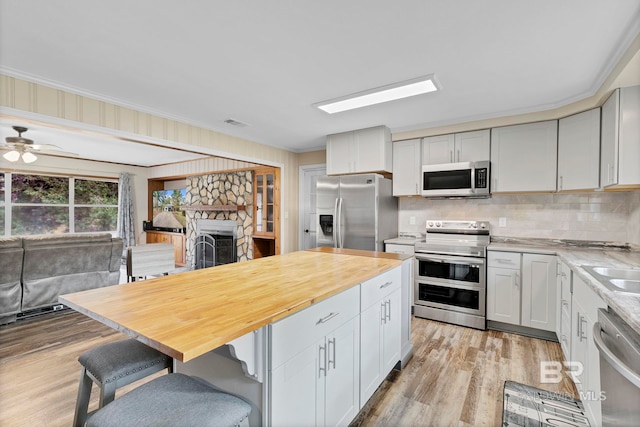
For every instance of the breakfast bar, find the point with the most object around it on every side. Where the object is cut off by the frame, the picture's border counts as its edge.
(260, 315)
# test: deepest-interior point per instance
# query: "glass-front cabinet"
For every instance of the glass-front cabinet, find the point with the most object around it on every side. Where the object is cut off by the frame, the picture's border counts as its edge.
(266, 218)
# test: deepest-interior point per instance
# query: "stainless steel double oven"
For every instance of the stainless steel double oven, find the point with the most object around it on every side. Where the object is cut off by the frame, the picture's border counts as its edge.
(450, 273)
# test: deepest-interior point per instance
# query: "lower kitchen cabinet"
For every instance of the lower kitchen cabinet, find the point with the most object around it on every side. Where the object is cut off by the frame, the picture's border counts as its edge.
(503, 287)
(584, 314)
(317, 384)
(563, 312)
(521, 289)
(380, 330)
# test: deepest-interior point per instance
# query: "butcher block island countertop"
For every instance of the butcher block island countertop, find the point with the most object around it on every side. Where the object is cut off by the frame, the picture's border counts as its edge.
(189, 314)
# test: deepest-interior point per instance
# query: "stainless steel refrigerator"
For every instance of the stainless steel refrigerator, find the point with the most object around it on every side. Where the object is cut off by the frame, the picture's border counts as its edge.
(356, 211)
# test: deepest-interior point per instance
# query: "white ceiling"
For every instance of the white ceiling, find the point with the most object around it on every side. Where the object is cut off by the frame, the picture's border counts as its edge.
(265, 63)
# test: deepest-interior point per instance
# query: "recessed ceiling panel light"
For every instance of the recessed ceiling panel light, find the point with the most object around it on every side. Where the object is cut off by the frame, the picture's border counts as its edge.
(405, 89)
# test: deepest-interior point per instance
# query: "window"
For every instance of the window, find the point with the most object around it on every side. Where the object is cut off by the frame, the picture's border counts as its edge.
(40, 204)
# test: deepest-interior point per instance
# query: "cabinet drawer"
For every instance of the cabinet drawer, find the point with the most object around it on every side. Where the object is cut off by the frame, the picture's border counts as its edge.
(399, 249)
(373, 290)
(503, 259)
(292, 334)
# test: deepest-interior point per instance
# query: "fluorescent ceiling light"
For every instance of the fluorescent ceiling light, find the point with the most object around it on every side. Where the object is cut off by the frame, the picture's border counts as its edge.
(387, 93)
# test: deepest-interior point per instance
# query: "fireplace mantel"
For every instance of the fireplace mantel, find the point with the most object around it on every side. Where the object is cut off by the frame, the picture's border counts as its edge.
(217, 208)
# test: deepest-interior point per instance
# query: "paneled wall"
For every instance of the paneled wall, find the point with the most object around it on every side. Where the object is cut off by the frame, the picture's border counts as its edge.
(58, 104)
(598, 216)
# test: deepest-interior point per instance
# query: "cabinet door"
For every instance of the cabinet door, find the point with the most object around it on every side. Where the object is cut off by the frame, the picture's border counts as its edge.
(539, 291)
(437, 149)
(370, 351)
(406, 168)
(178, 241)
(564, 315)
(391, 330)
(609, 140)
(472, 146)
(372, 150)
(294, 388)
(503, 295)
(340, 153)
(579, 151)
(524, 157)
(343, 375)
(629, 136)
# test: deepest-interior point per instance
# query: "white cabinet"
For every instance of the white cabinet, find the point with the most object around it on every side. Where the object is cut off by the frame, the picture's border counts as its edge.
(380, 330)
(315, 373)
(563, 316)
(539, 292)
(620, 138)
(524, 157)
(459, 147)
(360, 151)
(579, 151)
(584, 313)
(407, 169)
(503, 287)
(521, 289)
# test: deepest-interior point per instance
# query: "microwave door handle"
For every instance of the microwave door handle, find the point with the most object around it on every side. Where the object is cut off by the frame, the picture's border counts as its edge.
(473, 178)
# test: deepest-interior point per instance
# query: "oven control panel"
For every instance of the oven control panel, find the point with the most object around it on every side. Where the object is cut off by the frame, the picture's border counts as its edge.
(448, 226)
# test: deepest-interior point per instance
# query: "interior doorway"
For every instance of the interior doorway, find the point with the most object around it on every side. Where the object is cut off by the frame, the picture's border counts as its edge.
(308, 178)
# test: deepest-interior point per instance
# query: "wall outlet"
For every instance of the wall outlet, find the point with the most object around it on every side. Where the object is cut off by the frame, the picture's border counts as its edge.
(412, 220)
(502, 221)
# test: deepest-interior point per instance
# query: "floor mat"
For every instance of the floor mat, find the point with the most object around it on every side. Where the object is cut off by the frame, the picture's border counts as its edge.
(531, 407)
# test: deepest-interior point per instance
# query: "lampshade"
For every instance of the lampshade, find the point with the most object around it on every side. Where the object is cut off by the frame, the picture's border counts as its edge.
(12, 156)
(29, 157)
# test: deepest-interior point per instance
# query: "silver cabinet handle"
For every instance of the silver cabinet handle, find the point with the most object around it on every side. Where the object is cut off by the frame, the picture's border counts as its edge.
(561, 182)
(322, 351)
(327, 318)
(612, 359)
(504, 261)
(383, 313)
(565, 302)
(458, 154)
(389, 312)
(386, 285)
(583, 334)
(578, 324)
(331, 360)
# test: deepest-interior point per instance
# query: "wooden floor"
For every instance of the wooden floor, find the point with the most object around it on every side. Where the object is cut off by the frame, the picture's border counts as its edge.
(454, 379)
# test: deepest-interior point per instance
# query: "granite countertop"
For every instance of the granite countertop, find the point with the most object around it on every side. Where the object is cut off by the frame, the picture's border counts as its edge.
(582, 253)
(406, 239)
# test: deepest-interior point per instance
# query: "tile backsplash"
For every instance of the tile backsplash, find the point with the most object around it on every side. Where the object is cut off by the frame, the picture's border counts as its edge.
(599, 216)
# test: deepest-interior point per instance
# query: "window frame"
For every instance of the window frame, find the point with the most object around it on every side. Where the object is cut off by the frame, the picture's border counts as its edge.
(70, 205)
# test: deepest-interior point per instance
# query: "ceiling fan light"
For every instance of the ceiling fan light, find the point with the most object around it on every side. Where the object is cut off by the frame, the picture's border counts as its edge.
(29, 157)
(12, 156)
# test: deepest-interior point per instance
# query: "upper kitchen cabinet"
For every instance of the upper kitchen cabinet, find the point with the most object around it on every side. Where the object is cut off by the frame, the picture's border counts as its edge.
(579, 151)
(360, 151)
(620, 143)
(406, 168)
(524, 157)
(459, 147)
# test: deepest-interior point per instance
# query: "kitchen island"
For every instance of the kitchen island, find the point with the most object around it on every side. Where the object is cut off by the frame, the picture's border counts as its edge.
(191, 316)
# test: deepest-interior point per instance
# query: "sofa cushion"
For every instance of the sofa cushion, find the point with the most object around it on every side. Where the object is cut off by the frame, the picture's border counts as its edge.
(50, 256)
(11, 257)
(44, 292)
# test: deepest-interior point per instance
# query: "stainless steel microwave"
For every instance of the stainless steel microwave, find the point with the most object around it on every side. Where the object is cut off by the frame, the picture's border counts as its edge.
(466, 179)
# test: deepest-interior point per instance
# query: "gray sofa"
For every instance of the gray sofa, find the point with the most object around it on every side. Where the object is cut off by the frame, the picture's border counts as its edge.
(35, 270)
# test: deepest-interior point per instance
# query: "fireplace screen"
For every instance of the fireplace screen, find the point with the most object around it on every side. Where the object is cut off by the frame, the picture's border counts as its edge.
(215, 243)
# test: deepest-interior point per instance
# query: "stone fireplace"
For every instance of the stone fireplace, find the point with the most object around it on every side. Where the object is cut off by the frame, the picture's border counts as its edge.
(226, 196)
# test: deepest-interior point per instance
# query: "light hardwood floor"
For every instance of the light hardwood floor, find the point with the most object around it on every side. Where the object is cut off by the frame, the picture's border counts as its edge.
(454, 379)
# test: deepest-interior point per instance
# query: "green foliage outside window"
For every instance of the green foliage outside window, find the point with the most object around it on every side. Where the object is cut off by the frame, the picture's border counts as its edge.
(42, 205)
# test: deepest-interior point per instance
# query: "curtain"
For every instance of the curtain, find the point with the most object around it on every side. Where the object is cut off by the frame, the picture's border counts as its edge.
(126, 228)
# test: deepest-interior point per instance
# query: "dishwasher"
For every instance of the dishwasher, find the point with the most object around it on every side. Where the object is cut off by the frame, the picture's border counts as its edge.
(619, 347)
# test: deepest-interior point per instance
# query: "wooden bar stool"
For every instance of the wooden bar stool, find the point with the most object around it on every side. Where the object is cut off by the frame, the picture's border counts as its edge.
(112, 366)
(173, 400)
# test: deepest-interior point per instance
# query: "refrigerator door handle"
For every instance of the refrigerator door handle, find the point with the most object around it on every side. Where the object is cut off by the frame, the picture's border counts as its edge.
(340, 229)
(336, 223)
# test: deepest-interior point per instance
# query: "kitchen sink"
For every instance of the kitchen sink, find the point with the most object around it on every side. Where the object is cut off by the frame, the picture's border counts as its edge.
(622, 280)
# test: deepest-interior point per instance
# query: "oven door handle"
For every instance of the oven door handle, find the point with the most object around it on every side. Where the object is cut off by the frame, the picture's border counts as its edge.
(449, 259)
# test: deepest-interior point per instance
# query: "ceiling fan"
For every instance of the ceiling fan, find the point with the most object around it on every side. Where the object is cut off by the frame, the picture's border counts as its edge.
(18, 147)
